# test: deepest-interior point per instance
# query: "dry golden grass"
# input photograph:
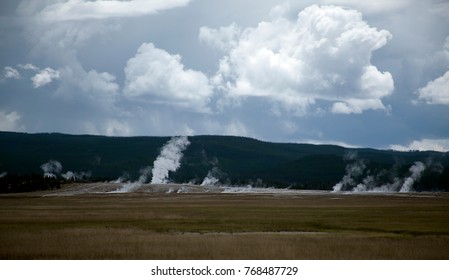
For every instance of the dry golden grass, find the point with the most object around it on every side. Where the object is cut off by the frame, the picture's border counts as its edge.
(209, 226)
(138, 244)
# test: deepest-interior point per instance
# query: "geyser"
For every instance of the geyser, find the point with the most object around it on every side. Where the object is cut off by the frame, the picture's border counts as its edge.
(416, 171)
(372, 182)
(51, 168)
(169, 159)
(353, 170)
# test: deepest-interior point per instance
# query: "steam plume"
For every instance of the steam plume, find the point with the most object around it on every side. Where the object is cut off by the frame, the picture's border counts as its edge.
(121, 179)
(75, 176)
(416, 171)
(377, 182)
(213, 176)
(210, 180)
(51, 168)
(3, 174)
(132, 186)
(169, 159)
(353, 171)
(398, 184)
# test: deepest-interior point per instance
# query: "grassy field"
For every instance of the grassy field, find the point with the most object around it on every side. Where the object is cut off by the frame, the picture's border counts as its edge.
(224, 226)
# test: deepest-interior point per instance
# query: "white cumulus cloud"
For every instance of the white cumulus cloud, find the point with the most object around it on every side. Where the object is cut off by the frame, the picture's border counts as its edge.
(155, 76)
(10, 121)
(29, 66)
(436, 91)
(356, 106)
(95, 81)
(95, 84)
(324, 55)
(10, 73)
(45, 76)
(439, 145)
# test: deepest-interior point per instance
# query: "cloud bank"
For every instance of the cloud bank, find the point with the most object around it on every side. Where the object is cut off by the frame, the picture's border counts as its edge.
(439, 145)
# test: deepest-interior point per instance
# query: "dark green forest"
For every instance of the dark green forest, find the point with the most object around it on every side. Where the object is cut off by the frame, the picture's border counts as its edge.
(233, 160)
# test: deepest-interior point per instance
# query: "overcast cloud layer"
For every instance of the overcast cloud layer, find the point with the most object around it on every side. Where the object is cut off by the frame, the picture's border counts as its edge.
(354, 73)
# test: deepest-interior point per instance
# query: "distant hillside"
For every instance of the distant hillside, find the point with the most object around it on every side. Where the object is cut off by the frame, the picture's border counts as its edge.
(232, 160)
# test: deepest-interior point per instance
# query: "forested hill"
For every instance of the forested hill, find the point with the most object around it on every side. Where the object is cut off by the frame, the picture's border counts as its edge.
(232, 160)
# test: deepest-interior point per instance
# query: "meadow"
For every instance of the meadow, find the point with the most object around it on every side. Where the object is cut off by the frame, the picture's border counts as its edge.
(224, 226)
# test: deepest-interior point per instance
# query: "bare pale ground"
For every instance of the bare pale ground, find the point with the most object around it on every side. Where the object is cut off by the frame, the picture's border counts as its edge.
(84, 222)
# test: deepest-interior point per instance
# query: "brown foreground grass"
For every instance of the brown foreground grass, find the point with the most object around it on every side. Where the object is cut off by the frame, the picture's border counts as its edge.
(219, 226)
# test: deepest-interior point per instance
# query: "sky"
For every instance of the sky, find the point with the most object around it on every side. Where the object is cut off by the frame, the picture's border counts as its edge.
(353, 73)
